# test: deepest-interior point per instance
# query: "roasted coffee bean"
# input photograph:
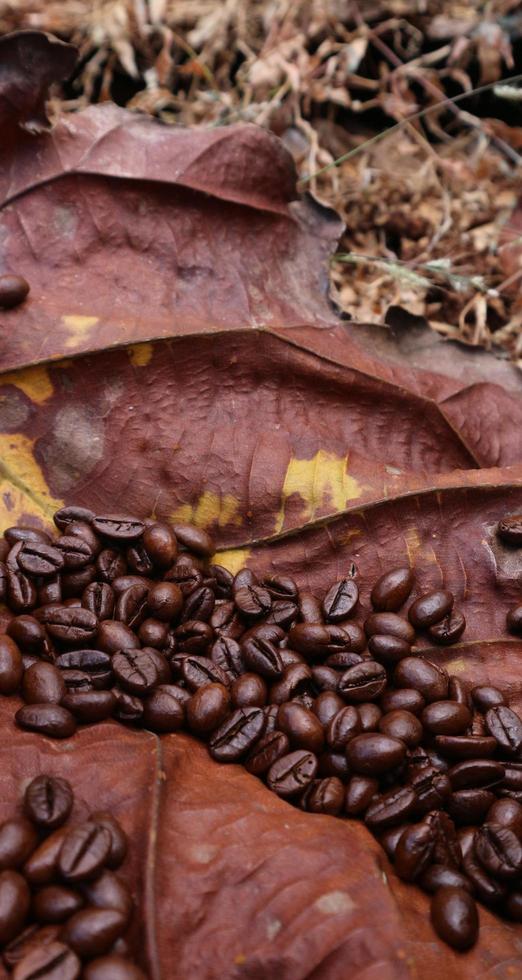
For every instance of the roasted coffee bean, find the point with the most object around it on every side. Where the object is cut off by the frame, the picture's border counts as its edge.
(119, 843)
(236, 736)
(18, 840)
(243, 579)
(225, 621)
(432, 788)
(370, 715)
(465, 746)
(449, 629)
(249, 690)
(68, 624)
(303, 728)
(46, 719)
(55, 903)
(160, 544)
(135, 670)
(32, 936)
(184, 574)
(469, 805)
(138, 559)
(333, 764)
(199, 671)
(446, 718)
(41, 867)
(430, 608)
(326, 705)
(506, 726)
(485, 697)
(510, 529)
(163, 712)
(117, 526)
(76, 552)
(52, 961)
(323, 796)
(325, 678)
(110, 565)
(107, 891)
(223, 581)
(131, 606)
(48, 801)
(454, 917)
(290, 774)
(340, 600)
(92, 932)
(513, 906)
(512, 776)
(253, 602)
(84, 851)
(389, 624)
(270, 713)
(439, 876)
(414, 852)
(207, 709)
(403, 725)
(20, 589)
(154, 633)
(11, 666)
(345, 724)
(14, 290)
(404, 699)
(474, 773)
(199, 605)
(310, 608)
(392, 589)
(90, 707)
(89, 661)
(28, 634)
(266, 631)
(499, 850)
(488, 889)
(356, 636)
(426, 677)
(388, 649)
(194, 539)
(343, 661)
(372, 755)
(43, 684)
(193, 637)
(112, 967)
(262, 657)
(310, 639)
(19, 533)
(390, 809)
(457, 692)
(124, 582)
(296, 680)
(359, 793)
(66, 515)
(390, 838)
(83, 530)
(266, 751)
(363, 682)
(15, 899)
(38, 558)
(226, 653)
(73, 584)
(506, 813)
(280, 587)
(283, 613)
(165, 601)
(114, 636)
(447, 847)
(77, 680)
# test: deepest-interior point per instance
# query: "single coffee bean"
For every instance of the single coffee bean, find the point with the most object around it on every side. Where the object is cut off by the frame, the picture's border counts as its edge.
(90, 707)
(84, 851)
(110, 565)
(514, 620)
(323, 796)
(340, 600)
(194, 637)
(388, 649)
(117, 526)
(430, 608)
(77, 680)
(342, 661)
(370, 715)
(355, 634)
(432, 788)
(207, 709)
(226, 653)
(20, 533)
(114, 636)
(345, 724)
(488, 889)
(283, 613)
(266, 751)
(485, 697)
(325, 678)
(326, 705)
(199, 605)
(135, 670)
(194, 539)
(404, 699)
(153, 633)
(236, 736)
(244, 579)
(253, 602)
(43, 684)
(372, 755)
(310, 639)
(449, 629)
(465, 746)
(310, 608)
(92, 932)
(359, 794)
(363, 682)
(83, 530)
(509, 529)
(76, 552)
(506, 813)
(426, 677)
(392, 589)
(389, 809)
(474, 773)
(512, 776)
(48, 801)
(454, 917)
(28, 634)
(92, 662)
(66, 515)
(403, 725)
(162, 711)
(439, 876)
(446, 718)
(14, 290)
(107, 891)
(290, 774)
(41, 868)
(20, 588)
(223, 581)
(138, 559)
(131, 606)
(15, 899)
(390, 838)
(447, 847)
(303, 728)
(249, 690)
(119, 843)
(52, 961)
(295, 682)
(333, 764)
(262, 657)
(165, 601)
(225, 621)
(499, 850)
(414, 851)
(161, 663)
(18, 840)
(31, 937)
(38, 558)
(506, 726)
(389, 624)
(73, 584)
(55, 903)
(467, 806)
(46, 719)
(184, 574)
(160, 545)
(199, 671)
(11, 665)
(69, 625)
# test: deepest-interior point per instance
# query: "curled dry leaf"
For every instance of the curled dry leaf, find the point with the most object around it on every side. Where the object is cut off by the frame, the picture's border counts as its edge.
(29, 63)
(178, 355)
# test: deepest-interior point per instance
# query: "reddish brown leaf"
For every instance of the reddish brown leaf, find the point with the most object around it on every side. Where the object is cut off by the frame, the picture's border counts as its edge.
(29, 63)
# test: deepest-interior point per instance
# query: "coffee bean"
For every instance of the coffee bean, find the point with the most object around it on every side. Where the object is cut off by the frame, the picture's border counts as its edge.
(485, 697)
(465, 746)
(90, 707)
(162, 711)
(392, 589)
(184, 574)
(303, 728)
(249, 690)
(55, 903)
(131, 606)
(324, 678)
(20, 589)
(41, 868)
(46, 719)
(14, 290)
(253, 602)
(207, 709)
(199, 605)
(38, 558)
(454, 917)
(84, 851)
(20, 533)
(110, 565)
(499, 850)
(107, 891)
(389, 624)
(439, 876)
(509, 529)
(292, 773)
(119, 527)
(432, 789)
(118, 848)
(404, 699)
(372, 755)
(323, 796)
(43, 684)
(506, 813)
(326, 705)
(389, 809)
(506, 726)
(76, 551)
(28, 634)
(14, 904)
(11, 666)
(69, 625)
(165, 601)
(447, 847)
(342, 661)
(66, 515)
(226, 653)
(364, 681)
(333, 764)
(114, 636)
(225, 621)
(488, 889)
(458, 692)
(73, 584)
(513, 906)
(345, 724)
(138, 559)
(199, 671)
(427, 678)
(469, 805)
(449, 629)
(340, 600)
(266, 751)
(414, 851)
(53, 961)
(474, 773)
(403, 725)
(446, 718)
(430, 608)
(223, 581)
(370, 715)
(236, 736)
(194, 637)
(83, 530)
(92, 662)
(194, 539)
(296, 680)
(92, 932)
(310, 608)
(359, 793)
(310, 639)
(262, 657)
(48, 801)
(388, 650)
(18, 840)
(282, 613)
(31, 937)
(153, 633)
(135, 670)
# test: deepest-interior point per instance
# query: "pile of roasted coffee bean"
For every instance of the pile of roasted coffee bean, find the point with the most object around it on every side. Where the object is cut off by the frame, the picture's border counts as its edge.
(124, 618)
(63, 910)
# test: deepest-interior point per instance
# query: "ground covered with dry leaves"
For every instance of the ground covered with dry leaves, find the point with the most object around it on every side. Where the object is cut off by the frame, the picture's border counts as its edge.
(432, 212)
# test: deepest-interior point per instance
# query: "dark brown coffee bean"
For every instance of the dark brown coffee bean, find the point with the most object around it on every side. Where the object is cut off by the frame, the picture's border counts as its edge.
(454, 917)
(296, 680)
(18, 840)
(414, 851)
(199, 605)
(226, 653)
(31, 937)
(310, 639)
(41, 867)
(488, 889)
(83, 530)
(499, 850)
(244, 579)
(430, 608)
(66, 515)
(389, 809)
(223, 581)
(326, 705)
(119, 843)
(90, 707)
(20, 533)
(73, 584)
(46, 719)
(84, 851)
(283, 613)
(310, 608)
(340, 600)
(28, 634)
(38, 558)
(370, 715)
(359, 793)
(11, 666)
(290, 774)
(92, 662)
(388, 649)
(135, 670)
(153, 633)
(467, 806)
(392, 589)
(323, 796)
(55, 903)
(432, 788)
(225, 621)
(506, 726)
(76, 551)
(506, 813)
(14, 290)
(446, 718)
(270, 713)
(185, 574)
(92, 932)
(52, 961)
(342, 661)
(439, 876)
(165, 601)
(48, 801)
(199, 671)
(333, 764)
(163, 712)
(363, 682)
(266, 751)
(15, 899)
(474, 773)
(513, 906)
(194, 637)
(131, 606)
(345, 724)
(510, 529)
(485, 697)
(207, 709)
(194, 539)
(114, 636)
(449, 629)
(117, 526)
(138, 559)
(19, 587)
(68, 624)
(372, 755)
(447, 847)
(303, 728)
(110, 565)
(325, 678)
(355, 634)
(262, 657)
(253, 602)
(514, 620)
(236, 736)
(159, 542)
(249, 690)
(428, 678)
(389, 624)
(403, 725)
(43, 684)
(404, 699)
(465, 746)
(108, 892)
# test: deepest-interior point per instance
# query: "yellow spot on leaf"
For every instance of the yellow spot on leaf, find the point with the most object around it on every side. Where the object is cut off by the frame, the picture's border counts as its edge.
(322, 482)
(23, 488)
(240, 959)
(34, 382)
(211, 508)
(140, 354)
(334, 903)
(78, 327)
(416, 549)
(233, 560)
(456, 666)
